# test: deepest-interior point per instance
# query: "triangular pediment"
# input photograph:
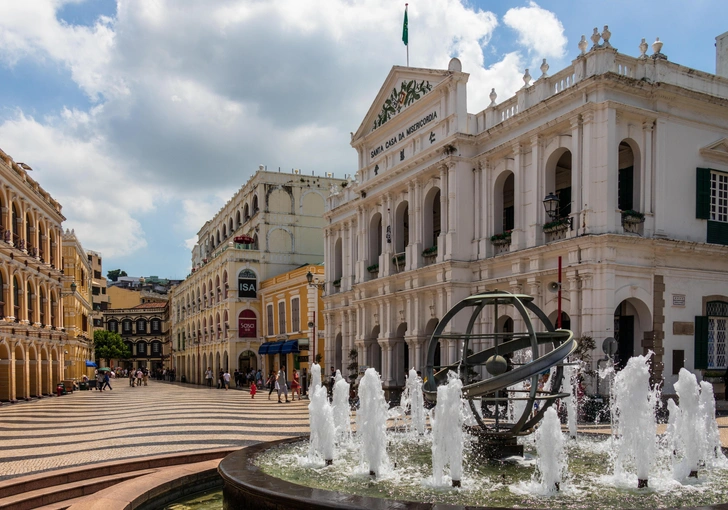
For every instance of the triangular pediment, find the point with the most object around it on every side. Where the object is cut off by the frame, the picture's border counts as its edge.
(404, 88)
(717, 150)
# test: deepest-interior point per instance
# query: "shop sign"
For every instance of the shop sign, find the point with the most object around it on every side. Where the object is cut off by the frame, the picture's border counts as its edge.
(246, 328)
(246, 287)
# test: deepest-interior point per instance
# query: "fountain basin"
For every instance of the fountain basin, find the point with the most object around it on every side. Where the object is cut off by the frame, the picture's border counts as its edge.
(246, 486)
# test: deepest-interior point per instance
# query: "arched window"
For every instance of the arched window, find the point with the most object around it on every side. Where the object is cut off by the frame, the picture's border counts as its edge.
(224, 285)
(31, 308)
(432, 218)
(16, 298)
(156, 325)
(375, 239)
(2, 296)
(141, 348)
(113, 326)
(246, 212)
(42, 306)
(224, 231)
(255, 204)
(126, 327)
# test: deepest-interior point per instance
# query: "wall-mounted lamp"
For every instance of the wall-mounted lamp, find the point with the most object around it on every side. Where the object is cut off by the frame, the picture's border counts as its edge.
(314, 283)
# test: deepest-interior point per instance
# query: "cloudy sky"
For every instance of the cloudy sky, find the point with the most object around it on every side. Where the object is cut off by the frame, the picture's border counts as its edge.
(142, 117)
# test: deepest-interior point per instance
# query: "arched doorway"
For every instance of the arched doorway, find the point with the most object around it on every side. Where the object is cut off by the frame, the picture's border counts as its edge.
(20, 389)
(338, 354)
(4, 372)
(45, 372)
(631, 321)
(34, 367)
(247, 360)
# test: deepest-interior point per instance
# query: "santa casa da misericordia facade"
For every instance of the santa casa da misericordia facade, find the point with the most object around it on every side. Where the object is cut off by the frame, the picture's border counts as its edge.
(272, 225)
(632, 155)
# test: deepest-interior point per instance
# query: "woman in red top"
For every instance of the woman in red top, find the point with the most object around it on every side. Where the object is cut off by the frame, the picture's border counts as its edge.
(295, 386)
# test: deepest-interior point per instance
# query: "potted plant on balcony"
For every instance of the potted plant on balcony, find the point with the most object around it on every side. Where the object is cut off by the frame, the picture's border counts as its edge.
(503, 239)
(430, 252)
(632, 217)
(337, 283)
(557, 225)
(374, 268)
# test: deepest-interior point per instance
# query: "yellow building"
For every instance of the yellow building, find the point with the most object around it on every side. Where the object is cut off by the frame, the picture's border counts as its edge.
(293, 324)
(32, 338)
(77, 306)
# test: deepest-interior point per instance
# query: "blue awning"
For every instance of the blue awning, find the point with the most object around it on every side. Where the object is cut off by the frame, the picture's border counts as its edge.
(90, 363)
(270, 348)
(291, 346)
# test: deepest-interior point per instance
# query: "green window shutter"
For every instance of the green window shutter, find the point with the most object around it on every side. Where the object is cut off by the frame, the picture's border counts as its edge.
(717, 232)
(701, 342)
(702, 194)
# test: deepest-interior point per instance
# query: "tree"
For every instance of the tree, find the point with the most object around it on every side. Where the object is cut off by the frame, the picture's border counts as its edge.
(114, 274)
(109, 345)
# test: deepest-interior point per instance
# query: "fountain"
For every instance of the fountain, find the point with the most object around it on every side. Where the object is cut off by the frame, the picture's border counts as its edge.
(341, 409)
(447, 431)
(469, 430)
(635, 427)
(323, 429)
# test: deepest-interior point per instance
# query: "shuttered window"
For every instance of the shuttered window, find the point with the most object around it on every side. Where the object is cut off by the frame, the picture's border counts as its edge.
(295, 315)
(712, 203)
(281, 317)
(269, 313)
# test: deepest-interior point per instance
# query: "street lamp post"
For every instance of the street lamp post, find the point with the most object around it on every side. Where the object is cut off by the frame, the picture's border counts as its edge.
(318, 285)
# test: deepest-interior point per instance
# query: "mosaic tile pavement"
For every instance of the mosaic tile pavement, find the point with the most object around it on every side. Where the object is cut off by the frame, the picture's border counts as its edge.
(88, 427)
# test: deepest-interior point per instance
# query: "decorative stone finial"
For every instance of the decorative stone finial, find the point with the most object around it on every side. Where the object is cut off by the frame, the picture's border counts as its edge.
(583, 44)
(606, 34)
(492, 96)
(544, 69)
(526, 79)
(643, 48)
(657, 49)
(595, 38)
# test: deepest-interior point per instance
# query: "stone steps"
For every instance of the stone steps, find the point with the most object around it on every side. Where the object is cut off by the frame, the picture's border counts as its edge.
(130, 480)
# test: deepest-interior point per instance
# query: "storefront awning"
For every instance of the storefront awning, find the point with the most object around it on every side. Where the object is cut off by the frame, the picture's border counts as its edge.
(270, 348)
(291, 346)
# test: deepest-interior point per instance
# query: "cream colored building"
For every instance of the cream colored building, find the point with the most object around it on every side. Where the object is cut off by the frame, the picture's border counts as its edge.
(77, 305)
(633, 151)
(99, 297)
(33, 343)
(272, 225)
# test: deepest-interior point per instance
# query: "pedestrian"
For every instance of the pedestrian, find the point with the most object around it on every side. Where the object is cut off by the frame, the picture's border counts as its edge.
(725, 385)
(145, 376)
(208, 377)
(282, 384)
(271, 383)
(236, 378)
(226, 380)
(295, 386)
(131, 378)
(139, 377)
(100, 381)
(107, 380)
(304, 382)
(253, 389)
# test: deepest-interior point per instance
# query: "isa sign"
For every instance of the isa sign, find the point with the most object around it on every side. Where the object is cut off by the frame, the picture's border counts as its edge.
(246, 288)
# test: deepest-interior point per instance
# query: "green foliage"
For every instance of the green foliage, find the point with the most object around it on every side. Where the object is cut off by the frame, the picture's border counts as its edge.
(374, 268)
(633, 214)
(501, 237)
(583, 353)
(353, 365)
(114, 274)
(431, 251)
(555, 224)
(109, 345)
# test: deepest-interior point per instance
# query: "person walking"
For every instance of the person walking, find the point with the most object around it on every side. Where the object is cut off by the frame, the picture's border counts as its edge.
(131, 378)
(282, 384)
(107, 379)
(295, 386)
(226, 380)
(253, 389)
(100, 381)
(271, 383)
(208, 377)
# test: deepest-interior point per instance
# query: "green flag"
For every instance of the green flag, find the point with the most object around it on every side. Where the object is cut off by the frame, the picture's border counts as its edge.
(405, 39)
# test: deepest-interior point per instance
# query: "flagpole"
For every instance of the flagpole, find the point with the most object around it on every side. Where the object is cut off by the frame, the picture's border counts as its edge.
(405, 10)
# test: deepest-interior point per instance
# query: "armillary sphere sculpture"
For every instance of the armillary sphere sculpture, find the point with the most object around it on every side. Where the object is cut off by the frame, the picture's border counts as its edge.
(497, 435)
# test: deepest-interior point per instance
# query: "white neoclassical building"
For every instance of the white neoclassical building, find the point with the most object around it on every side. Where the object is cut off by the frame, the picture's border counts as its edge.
(632, 152)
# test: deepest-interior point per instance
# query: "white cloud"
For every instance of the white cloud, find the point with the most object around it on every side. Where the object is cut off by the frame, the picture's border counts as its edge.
(539, 30)
(188, 97)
